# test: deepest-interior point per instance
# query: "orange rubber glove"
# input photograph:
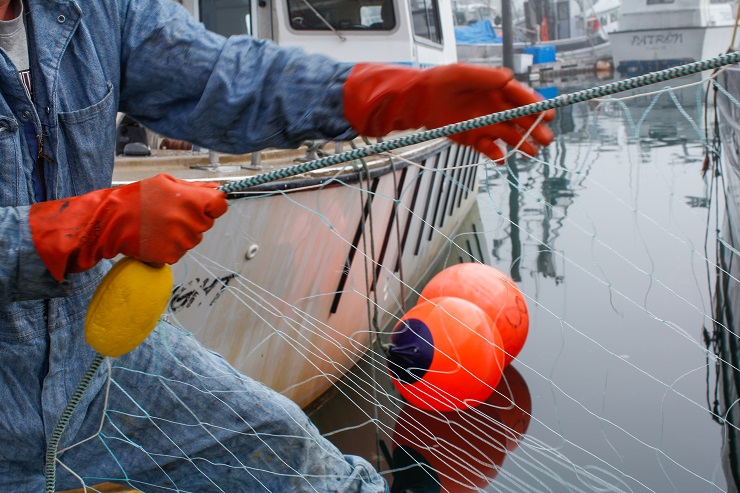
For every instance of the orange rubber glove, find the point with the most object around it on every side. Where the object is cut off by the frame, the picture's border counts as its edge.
(156, 220)
(381, 98)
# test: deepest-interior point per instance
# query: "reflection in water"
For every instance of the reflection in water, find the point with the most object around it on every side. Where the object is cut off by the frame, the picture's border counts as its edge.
(516, 245)
(557, 192)
(668, 120)
(459, 451)
(724, 343)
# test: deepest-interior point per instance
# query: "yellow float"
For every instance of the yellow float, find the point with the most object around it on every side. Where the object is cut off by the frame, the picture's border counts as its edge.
(126, 306)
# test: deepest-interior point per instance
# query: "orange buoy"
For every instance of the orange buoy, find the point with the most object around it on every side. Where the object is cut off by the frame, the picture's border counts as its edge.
(494, 292)
(445, 354)
(460, 451)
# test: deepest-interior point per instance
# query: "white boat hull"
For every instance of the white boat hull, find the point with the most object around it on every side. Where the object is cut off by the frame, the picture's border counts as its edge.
(282, 286)
(289, 284)
(581, 49)
(641, 51)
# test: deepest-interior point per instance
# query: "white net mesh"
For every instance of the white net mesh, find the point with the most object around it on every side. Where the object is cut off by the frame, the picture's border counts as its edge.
(626, 381)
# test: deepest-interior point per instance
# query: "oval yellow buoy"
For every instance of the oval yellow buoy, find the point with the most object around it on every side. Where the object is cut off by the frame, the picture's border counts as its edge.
(126, 306)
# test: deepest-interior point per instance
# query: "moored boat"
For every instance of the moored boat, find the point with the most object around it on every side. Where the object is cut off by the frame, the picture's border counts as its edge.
(722, 336)
(570, 32)
(292, 283)
(654, 34)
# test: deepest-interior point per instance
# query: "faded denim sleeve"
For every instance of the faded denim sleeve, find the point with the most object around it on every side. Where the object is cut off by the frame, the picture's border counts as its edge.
(234, 95)
(23, 275)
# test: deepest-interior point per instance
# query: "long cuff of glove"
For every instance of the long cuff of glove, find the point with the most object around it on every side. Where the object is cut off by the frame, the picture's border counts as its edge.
(74, 234)
(381, 98)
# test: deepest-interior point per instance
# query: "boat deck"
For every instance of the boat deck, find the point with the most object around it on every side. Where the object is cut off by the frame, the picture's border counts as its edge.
(196, 165)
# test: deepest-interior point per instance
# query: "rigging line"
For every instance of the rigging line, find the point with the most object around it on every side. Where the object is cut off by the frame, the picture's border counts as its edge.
(483, 121)
(668, 89)
(713, 340)
(373, 321)
(397, 220)
(370, 282)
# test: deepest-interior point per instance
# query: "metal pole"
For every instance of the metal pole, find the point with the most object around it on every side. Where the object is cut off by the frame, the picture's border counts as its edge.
(213, 160)
(516, 242)
(507, 27)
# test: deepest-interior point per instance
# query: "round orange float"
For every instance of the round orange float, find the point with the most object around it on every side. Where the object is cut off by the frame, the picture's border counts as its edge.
(445, 354)
(494, 292)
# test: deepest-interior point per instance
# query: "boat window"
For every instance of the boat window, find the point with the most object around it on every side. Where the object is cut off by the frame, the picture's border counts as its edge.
(425, 15)
(658, 2)
(562, 29)
(342, 15)
(226, 17)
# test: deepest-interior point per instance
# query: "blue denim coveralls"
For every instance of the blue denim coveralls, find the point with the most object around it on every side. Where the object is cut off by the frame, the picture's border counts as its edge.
(178, 418)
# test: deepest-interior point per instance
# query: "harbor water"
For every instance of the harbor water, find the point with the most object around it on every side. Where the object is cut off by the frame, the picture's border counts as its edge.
(611, 234)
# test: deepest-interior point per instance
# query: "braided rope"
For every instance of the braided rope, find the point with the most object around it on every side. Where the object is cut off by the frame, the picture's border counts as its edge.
(56, 435)
(483, 121)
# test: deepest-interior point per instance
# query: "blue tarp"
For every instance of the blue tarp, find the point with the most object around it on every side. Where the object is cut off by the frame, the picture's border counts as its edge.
(479, 33)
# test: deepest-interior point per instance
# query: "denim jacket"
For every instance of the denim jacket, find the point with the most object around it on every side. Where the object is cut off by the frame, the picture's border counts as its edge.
(153, 61)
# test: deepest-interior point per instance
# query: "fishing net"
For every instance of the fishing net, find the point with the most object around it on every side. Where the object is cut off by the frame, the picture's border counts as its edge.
(618, 236)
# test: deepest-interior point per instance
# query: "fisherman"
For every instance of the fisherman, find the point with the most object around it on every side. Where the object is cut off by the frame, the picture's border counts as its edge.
(173, 416)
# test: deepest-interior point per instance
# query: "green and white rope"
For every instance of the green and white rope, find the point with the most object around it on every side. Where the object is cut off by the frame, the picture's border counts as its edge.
(483, 121)
(56, 435)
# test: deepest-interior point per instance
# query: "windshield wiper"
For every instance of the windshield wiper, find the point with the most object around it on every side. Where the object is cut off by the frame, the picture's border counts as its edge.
(328, 24)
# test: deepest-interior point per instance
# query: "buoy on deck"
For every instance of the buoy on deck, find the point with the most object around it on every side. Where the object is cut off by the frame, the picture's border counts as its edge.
(445, 354)
(491, 290)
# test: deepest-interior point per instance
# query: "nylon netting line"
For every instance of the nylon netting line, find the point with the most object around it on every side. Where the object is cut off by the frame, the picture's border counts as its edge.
(611, 234)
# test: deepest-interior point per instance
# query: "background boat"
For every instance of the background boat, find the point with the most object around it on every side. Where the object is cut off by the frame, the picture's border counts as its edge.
(657, 34)
(570, 32)
(607, 13)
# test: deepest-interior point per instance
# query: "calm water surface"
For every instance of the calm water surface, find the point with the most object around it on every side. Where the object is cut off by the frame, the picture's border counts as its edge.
(611, 238)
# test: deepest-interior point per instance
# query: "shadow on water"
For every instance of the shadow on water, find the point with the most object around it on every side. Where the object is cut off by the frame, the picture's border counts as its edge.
(605, 234)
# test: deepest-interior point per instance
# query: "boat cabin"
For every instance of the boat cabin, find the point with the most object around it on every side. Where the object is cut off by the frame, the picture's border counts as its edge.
(411, 32)
(638, 15)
